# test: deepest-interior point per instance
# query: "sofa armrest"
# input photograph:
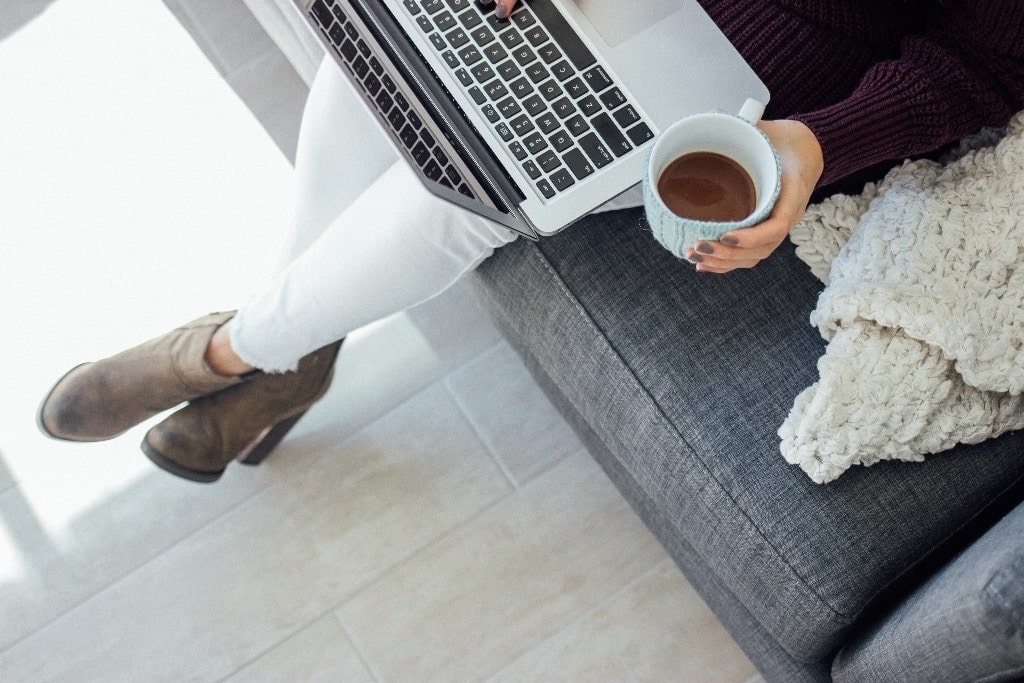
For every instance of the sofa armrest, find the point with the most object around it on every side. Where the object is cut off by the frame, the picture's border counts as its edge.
(965, 624)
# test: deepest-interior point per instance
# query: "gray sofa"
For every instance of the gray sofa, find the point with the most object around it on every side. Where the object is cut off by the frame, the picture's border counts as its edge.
(677, 382)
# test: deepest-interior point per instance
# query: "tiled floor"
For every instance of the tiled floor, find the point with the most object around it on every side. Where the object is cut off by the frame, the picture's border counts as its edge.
(431, 519)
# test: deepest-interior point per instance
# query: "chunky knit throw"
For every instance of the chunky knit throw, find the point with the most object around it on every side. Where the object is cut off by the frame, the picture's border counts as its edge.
(923, 311)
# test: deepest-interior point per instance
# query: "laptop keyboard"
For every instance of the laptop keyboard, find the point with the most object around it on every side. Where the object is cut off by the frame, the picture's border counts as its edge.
(530, 76)
(540, 87)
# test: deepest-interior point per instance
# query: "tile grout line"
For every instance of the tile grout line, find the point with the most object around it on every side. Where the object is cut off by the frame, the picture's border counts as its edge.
(650, 571)
(479, 432)
(367, 664)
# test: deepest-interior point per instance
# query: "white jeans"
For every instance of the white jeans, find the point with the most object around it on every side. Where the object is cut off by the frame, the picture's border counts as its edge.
(367, 239)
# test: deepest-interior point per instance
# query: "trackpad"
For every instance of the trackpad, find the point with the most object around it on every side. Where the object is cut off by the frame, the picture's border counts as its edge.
(618, 21)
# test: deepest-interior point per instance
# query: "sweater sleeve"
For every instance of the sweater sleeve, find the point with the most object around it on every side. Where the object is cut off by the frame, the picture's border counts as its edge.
(964, 72)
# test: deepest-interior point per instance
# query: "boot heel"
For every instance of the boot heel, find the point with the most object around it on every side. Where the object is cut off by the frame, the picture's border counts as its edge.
(258, 450)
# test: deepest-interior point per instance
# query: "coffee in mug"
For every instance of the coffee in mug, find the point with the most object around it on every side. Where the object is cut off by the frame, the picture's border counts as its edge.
(707, 174)
(707, 186)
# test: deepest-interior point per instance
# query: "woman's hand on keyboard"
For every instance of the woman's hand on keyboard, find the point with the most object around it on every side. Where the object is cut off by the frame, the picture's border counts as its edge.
(502, 8)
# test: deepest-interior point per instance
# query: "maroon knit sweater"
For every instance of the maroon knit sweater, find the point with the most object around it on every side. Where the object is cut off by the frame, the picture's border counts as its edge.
(882, 80)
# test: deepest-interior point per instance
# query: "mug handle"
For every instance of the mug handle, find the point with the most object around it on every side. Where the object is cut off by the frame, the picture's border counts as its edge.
(751, 110)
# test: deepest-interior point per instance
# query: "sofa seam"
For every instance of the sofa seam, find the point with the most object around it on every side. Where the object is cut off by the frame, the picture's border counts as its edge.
(567, 292)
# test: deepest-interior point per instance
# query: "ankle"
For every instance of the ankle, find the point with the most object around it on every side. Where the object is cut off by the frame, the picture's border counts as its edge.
(221, 358)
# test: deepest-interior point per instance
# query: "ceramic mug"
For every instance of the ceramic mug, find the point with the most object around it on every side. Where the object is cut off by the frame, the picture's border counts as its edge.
(734, 136)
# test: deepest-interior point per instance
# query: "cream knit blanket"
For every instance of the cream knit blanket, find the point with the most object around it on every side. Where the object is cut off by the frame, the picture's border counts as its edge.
(923, 311)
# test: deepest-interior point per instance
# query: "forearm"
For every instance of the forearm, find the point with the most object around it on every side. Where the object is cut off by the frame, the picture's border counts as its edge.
(965, 72)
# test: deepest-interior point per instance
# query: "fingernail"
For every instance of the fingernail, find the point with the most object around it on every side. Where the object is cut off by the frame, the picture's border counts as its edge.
(729, 240)
(705, 248)
(696, 258)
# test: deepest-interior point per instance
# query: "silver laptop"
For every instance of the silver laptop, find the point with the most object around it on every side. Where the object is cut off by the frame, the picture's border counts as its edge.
(534, 120)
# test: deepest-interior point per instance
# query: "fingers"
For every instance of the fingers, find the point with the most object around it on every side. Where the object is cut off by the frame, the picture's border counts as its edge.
(503, 8)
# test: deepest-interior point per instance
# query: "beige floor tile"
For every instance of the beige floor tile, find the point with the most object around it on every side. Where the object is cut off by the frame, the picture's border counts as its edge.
(320, 652)
(657, 629)
(505, 582)
(346, 515)
(58, 558)
(511, 414)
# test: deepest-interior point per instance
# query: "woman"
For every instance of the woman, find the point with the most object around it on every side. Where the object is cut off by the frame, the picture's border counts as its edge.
(855, 84)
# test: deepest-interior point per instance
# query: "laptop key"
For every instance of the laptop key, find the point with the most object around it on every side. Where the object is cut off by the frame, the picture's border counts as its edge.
(640, 134)
(564, 107)
(626, 116)
(411, 7)
(456, 39)
(524, 55)
(547, 122)
(444, 21)
(483, 36)
(523, 20)
(491, 113)
(496, 90)
(509, 107)
(425, 24)
(578, 164)
(432, 170)
(546, 189)
(549, 53)
(348, 50)
(464, 77)
(563, 34)
(550, 90)
(596, 150)
(597, 78)
(562, 70)
(562, 179)
(613, 98)
(470, 55)
(577, 125)
(518, 151)
(511, 38)
(521, 87)
(408, 136)
(450, 59)
(504, 132)
(495, 52)
(433, 6)
(611, 134)
(470, 20)
(537, 72)
(534, 105)
(561, 141)
(337, 34)
(477, 94)
(589, 105)
(576, 87)
(536, 36)
(323, 13)
(522, 125)
(483, 72)
(508, 70)
(549, 161)
(535, 143)
(458, 5)
(531, 170)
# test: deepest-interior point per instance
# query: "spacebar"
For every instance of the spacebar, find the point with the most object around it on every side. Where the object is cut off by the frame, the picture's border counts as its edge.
(562, 33)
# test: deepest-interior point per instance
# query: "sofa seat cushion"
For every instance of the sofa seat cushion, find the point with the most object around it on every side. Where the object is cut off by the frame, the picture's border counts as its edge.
(686, 377)
(965, 624)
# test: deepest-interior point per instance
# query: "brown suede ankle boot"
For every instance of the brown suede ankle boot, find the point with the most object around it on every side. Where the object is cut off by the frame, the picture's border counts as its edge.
(100, 400)
(243, 422)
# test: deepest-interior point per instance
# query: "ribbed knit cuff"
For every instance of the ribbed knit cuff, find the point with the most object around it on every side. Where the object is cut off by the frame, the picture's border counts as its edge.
(886, 118)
